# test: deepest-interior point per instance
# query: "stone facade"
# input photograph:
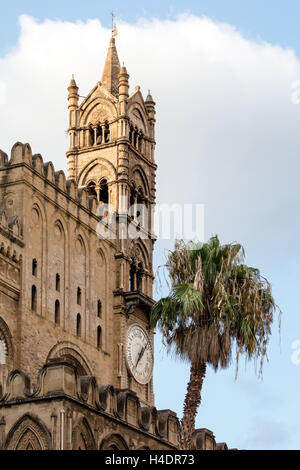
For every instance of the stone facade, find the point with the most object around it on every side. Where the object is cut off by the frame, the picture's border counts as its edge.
(68, 294)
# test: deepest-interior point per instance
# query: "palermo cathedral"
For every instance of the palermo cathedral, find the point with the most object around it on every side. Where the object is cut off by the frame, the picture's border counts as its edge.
(76, 347)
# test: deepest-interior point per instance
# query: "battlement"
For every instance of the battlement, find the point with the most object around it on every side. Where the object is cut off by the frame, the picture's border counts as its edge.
(22, 157)
(59, 379)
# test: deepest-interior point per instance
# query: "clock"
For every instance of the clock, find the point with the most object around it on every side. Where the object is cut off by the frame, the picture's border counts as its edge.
(138, 353)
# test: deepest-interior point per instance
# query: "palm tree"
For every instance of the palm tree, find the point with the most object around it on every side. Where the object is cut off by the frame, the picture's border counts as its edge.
(216, 304)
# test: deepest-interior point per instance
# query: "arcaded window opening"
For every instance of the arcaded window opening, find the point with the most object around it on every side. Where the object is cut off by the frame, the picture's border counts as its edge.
(91, 189)
(104, 191)
(132, 274)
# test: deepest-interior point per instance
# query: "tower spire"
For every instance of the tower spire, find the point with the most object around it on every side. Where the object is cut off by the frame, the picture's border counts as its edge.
(110, 76)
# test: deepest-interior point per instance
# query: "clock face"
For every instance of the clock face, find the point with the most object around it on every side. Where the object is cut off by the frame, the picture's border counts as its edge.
(139, 354)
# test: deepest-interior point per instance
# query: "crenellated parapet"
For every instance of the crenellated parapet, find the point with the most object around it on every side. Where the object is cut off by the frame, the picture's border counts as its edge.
(58, 379)
(33, 165)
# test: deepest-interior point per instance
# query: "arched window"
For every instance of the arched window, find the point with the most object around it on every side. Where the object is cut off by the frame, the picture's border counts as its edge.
(78, 325)
(91, 135)
(135, 137)
(106, 133)
(104, 191)
(57, 313)
(130, 135)
(139, 277)
(91, 189)
(34, 267)
(140, 142)
(57, 283)
(99, 135)
(140, 206)
(132, 274)
(131, 208)
(99, 339)
(33, 298)
(78, 296)
(99, 308)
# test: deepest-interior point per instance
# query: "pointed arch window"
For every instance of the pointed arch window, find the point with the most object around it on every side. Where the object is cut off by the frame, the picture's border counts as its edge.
(139, 277)
(104, 191)
(106, 132)
(135, 138)
(131, 135)
(132, 275)
(91, 189)
(91, 136)
(99, 135)
(78, 325)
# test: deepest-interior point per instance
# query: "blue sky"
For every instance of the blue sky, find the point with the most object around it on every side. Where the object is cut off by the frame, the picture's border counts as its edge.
(273, 20)
(241, 158)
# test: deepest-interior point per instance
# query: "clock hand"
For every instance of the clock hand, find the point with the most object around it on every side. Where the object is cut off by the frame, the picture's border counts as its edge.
(141, 353)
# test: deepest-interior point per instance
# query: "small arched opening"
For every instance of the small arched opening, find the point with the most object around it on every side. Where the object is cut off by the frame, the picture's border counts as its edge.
(33, 298)
(78, 296)
(99, 337)
(78, 325)
(57, 313)
(99, 308)
(34, 267)
(57, 282)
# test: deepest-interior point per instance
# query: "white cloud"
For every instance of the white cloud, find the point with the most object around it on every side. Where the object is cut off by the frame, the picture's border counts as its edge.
(227, 131)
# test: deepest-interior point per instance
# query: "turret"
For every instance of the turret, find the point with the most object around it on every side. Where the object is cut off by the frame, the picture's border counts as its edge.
(150, 107)
(123, 89)
(73, 98)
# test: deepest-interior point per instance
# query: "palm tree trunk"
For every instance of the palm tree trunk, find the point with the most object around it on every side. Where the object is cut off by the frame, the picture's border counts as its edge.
(191, 403)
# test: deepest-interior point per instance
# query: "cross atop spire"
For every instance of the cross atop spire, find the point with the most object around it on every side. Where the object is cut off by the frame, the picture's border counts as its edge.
(110, 77)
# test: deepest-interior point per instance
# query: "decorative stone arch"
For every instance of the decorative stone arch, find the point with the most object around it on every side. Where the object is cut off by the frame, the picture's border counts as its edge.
(38, 205)
(114, 442)
(28, 433)
(60, 221)
(109, 171)
(137, 108)
(82, 436)
(138, 176)
(90, 115)
(72, 352)
(79, 239)
(6, 345)
(139, 253)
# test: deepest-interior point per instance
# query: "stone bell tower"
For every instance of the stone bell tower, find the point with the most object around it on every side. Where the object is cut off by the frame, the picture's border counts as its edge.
(111, 155)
